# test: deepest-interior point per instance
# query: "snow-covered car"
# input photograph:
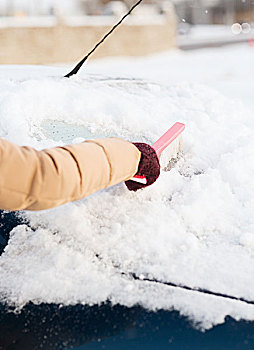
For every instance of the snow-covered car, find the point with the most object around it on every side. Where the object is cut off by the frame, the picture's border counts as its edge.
(167, 267)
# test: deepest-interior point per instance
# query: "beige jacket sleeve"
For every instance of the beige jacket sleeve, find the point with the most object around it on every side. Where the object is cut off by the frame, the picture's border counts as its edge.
(36, 180)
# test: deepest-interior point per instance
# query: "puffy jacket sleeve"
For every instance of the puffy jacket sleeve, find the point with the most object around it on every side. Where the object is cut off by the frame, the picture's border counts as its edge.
(36, 180)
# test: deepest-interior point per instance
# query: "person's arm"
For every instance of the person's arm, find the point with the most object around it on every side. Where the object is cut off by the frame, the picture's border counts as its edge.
(36, 180)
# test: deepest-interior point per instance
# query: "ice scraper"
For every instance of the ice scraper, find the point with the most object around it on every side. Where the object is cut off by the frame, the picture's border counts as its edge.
(170, 138)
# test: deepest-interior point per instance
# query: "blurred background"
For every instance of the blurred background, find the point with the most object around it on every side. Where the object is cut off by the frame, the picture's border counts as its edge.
(62, 31)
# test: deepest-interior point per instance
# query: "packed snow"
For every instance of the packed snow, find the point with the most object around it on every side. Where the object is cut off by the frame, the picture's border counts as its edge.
(193, 227)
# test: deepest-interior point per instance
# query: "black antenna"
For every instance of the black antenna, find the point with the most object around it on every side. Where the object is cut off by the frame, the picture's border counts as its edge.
(80, 64)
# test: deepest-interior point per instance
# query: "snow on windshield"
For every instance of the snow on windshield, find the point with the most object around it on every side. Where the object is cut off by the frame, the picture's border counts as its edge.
(193, 227)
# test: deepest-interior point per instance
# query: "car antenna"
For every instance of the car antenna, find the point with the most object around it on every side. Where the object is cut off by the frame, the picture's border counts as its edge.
(80, 64)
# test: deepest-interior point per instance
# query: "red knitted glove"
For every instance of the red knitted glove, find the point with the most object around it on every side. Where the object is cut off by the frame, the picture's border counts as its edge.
(149, 166)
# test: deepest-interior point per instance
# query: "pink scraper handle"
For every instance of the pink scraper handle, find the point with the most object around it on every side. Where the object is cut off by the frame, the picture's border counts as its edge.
(166, 139)
(163, 142)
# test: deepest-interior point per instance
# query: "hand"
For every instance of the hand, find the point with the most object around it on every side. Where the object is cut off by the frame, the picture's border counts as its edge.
(149, 166)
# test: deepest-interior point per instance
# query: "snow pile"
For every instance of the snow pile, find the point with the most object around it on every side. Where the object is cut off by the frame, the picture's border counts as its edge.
(194, 226)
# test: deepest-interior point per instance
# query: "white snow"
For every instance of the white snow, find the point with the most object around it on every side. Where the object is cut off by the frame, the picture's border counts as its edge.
(35, 21)
(75, 21)
(194, 226)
